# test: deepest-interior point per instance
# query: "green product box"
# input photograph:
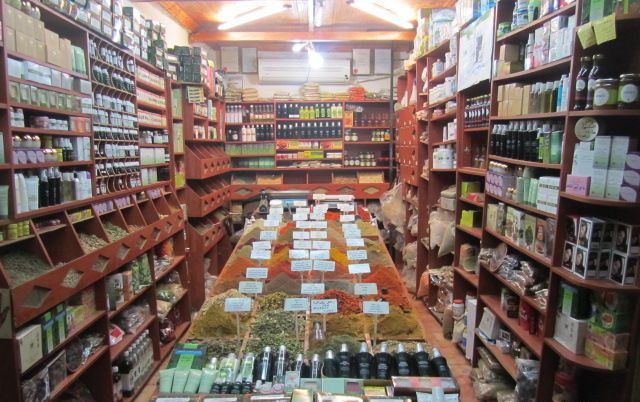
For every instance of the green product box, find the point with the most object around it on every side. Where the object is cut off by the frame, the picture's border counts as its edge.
(612, 321)
(469, 218)
(468, 187)
(61, 322)
(188, 356)
(574, 301)
(48, 342)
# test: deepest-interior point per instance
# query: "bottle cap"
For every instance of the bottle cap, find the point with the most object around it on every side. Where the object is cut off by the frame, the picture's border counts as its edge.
(300, 357)
(329, 354)
(364, 348)
(316, 358)
(384, 347)
(419, 347)
(400, 348)
(435, 352)
(267, 349)
(344, 348)
(282, 348)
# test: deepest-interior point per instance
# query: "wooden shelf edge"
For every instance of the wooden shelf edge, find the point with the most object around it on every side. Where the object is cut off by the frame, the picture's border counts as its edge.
(592, 283)
(539, 258)
(117, 349)
(541, 165)
(71, 378)
(525, 207)
(579, 360)
(467, 276)
(507, 362)
(599, 201)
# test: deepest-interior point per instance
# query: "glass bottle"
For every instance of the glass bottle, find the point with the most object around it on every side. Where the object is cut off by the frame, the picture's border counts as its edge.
(580, 98)
(594, 74)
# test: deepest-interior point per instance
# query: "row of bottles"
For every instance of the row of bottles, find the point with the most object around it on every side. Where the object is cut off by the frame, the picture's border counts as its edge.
(476, 111)
(251, 133)
(249, 114)
(376, 136)
(308, 112)
(50, 187)
(321, 129)
(533, 141)
(133, 367)
(364, 159)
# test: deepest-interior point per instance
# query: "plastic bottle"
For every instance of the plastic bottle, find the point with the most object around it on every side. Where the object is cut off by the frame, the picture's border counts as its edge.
(421, 358)
(315, 366)
(300, 366)
(344, 362)
(439, 364)
(264, 368)
(363, 361)
(282, 362)
(330, 365)
(383, 362)
(403, 362)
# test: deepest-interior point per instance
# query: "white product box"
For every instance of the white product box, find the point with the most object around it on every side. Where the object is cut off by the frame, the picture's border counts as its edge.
(570, 332)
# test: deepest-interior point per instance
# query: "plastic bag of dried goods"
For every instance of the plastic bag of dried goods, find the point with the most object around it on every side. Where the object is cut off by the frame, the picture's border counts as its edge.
(448, 240)
(413, 224)
(392, 209)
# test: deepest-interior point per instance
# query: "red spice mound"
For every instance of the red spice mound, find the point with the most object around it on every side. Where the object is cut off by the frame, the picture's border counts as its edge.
(347, 303)
(389, 286)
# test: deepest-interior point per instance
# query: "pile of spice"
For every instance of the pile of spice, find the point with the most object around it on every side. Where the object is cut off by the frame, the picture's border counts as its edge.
(389, 286)
(114, 232)
(347, 303)
(219, 347)
(398, 324)
(272, 302)
(334, 343)
(213, 321)
(91, 242)
(23, 266)
(342, 324)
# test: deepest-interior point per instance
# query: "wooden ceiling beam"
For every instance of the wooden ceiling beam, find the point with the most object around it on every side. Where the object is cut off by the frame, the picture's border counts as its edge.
(316, 36)
(180, 15)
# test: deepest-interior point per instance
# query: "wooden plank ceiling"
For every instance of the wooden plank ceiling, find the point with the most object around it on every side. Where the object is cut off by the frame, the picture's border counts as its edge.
(340, 22)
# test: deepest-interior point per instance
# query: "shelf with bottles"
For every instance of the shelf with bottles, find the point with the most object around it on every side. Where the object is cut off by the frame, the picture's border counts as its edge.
(250, 132)
(310, 130)
(249, 113)
(530, 143)
(296, 111)
(205, 196)
(516, 24)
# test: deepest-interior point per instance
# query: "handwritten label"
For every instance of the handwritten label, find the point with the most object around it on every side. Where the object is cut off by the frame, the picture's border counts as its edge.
(357, 255)
(317, 216)
(318, 225)
(347, 218)
(237, 304)
(262, 245)
(346, 207)
(296, 304)
(312, 288)
(352, 234)
(300, 217)
(302, 244)
(276, 210)
(269, 235)
(355, 242)
(301, 265)
(299, 254)
(350, 226)
(319, 254)
(250, 287)
(305, 210)
(303, 224)
(321, 245)
(271, 223)
(375, 307)
(605, 29)
(318, 234)
(326, 306)
(324, 265)
(257, 273)
(360, 289)
(321, 208)
(359, 269)
(586, 35)
(258, 254)
(299, 203)
(274, 217)
(301, 235)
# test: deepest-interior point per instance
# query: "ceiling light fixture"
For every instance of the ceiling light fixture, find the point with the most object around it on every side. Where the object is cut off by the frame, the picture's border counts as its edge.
(316, 60)
(374, 9)
(256, 14)
(297, 47)
(401, 9)
(318, 10)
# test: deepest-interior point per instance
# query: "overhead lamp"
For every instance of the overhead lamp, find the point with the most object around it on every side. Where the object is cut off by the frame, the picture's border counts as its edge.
(315, 59)
(318, 10)
(399, 8)
(376, 10)
(256, 14)
(297, 47)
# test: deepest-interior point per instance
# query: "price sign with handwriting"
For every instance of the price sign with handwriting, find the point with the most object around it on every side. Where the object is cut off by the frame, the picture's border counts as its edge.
(346, 206)
(321, 208)
(326, 306)
(272, 223)
(298, 254)
(301, 265)
(276, 210)
(259, 254)
(357, 255)
(317, 216)
(303, 210)
(356, 269)
(352, 234)
(318, 225)
(375, 307)
(299, 203)
(296, 304)
(318, 234)
(324, 265)
(312, 288)
(262, 245)
(303, 225)
(319, 254)
(362, 289)
(257, 273)
(359, 242)
(350, 226)
(321, 245)
(269, 235)
(237, 304)
(300, 217)
(347, 218)
(302, 244)
(250, 287)
(300, 235)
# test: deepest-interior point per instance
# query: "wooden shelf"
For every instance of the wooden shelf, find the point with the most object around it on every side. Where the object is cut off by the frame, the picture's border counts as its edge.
(149, 86)
(592, 283)
(537, 257)
(143, 145)
(20, 166)
(368, 128)
(250, 142)
(149, 125)
(524, 207)
(154, 165)
(309, 120)
(20, 56)
(476, 129)
(5, 243)
(72, 377)
(475, 232)
(441, 102)
(124, 305)
(365, 101)
(205, 140)
(46, 131)
(443, 117)
(47, 87)
(180, 330)
(447, 142)
(117, 349)
(605, 113)
(531, 116)
(309, 139)
(43, 109)
(471, 202)
(473, 171)
(436, 79)
(111, 66)
(540, 165)
(177, 260)
(553, 68)
(270, 123)
(522, 32)
(151, 106)
(533, 342)
(527, 299)
(506, 360)
(387, 143)
(467, 276)
(579, 360)
(605, 202)
(110, 88)
(254, 156)
(438, 50)
(443, 170)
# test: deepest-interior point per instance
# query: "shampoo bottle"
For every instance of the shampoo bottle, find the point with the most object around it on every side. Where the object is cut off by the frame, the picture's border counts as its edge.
(364, 362)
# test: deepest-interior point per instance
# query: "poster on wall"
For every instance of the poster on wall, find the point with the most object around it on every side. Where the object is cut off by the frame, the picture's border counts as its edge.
(382, 61)
(476, 45)
(249, 60)
(361, 61)
(230, 59)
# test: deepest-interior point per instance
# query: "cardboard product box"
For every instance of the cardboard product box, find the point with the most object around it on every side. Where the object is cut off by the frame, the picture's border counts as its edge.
(30, 345)
(574, 301)
(590, 232)
(40, 51)
(53, 56)
(51, 40)
(598, 183)
(602, 151)
(626, 238)
(604, 263)
(510, 52)
(39, 31)
(188, 356)
(65, 54)
(20, 21)
(48, 334)
(10, 39)
(489, 324)
(611, 320)
(620, 147)
(624, 268)
(608, 340)
(614, 183)
(22, 44)
(613, 360)
(570, 332)
(9, 17)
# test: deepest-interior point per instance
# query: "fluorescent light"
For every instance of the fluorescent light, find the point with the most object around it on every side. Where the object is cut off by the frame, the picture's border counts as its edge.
(233, 10)
(398, 8)
(315, 59)
(257, 14)
(297, 47)
(318, 10)
(374, 9)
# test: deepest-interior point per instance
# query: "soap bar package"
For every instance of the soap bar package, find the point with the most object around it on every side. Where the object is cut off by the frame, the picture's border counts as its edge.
(188, 356)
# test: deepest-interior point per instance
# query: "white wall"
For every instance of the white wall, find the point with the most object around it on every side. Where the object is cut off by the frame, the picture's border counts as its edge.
(177, 35)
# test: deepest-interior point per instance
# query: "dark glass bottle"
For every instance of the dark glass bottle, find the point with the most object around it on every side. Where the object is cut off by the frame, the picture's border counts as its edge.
(363, 361)
(403, 362)
(422, 361)
(594, 74)
(383, 362)
(344, 362)
(439, 364)
(330, 365)
(264, 367)
(300, 366)
(314, 371)
(580, 98)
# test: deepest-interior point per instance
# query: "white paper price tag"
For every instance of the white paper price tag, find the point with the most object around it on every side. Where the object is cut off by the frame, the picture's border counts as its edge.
(352, 234)
(347, 218)
(321, 245)
(269, 235)
(318, 234)
(346, 207)
(300, 217)
(355, 242)
(296, 304)
(258, 254)
(299, 203)
(250, 287)
(356, 269)
(318, 225)
(300, 235)
(357, 255)
(272, 223)
(303, 210)
(276, 210)
(312, 288)
(361, 289)
(303, 225)
(321, 208)
(237, 304)
(262, 245)
(326, 306)
(375, 307)
(317, 216)
(350, 226)
(319, 254)
(299, 254)
(324, 265)
(257, 273)
(302, 244)
(301, 265)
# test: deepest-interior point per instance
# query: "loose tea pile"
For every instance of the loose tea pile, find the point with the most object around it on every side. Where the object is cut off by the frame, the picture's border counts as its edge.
(23, 266)
(213, 321)
(114, 232)
(91, 242)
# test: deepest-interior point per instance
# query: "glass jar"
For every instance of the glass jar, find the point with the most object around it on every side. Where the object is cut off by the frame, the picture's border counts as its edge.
(605, 94)
(628, 91)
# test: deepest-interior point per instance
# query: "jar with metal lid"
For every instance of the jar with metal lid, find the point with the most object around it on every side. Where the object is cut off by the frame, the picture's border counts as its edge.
(605, 94)
(629, 91)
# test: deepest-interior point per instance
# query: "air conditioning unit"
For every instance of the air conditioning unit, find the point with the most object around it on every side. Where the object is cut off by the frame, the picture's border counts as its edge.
(296, 71)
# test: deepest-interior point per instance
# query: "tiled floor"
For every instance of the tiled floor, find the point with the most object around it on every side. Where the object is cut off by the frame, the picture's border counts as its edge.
(432, 334)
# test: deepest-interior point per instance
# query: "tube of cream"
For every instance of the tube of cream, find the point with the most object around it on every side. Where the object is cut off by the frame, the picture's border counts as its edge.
(207, 379)
(193, 382)
(166, 380)
(179, 381)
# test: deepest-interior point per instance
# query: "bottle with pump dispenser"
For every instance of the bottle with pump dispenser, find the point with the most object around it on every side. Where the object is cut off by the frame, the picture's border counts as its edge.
(300, 366)
(439, 364)
(282, 362)
(316, 366)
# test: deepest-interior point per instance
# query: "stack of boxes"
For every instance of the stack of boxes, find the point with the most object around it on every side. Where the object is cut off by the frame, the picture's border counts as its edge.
(193, 64)
(606, 167)
(145, 38)
(602, 249)
(39, 339)
(524, 187)
(516, 99)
